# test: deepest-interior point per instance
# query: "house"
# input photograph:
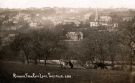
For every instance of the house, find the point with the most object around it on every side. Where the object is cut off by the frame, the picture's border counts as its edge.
(75, 36)
(105, 19)
(128, 18)
(94, 24)
(76, 22)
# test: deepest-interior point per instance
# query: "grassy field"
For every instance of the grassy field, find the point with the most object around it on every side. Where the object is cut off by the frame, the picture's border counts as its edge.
(77, 75)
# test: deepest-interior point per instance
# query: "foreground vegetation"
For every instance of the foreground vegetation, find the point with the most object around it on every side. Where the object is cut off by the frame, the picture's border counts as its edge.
(77, 75)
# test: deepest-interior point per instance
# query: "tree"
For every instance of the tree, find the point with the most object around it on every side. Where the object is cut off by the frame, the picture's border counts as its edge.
(127, 30)
(47, 41)
(37, 44)
(101, 45)
(90, 45)
(22, 42)
(113, 46)
(95, 44)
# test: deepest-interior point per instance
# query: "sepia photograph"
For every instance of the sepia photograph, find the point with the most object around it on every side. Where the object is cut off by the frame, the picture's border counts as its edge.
(67, 41)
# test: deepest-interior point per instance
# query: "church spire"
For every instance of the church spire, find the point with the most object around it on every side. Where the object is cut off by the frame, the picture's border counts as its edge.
(96, 15)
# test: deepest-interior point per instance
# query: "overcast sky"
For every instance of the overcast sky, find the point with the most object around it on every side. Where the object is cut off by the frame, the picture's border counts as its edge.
(68, 3)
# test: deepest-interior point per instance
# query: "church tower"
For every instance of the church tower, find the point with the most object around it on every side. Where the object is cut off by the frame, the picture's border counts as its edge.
(96, 16)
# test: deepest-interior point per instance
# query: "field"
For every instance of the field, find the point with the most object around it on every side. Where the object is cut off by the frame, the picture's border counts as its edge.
(7, 70)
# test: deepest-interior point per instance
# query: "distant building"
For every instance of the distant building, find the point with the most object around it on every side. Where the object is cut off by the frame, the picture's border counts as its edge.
(76, 22)
(32, 24)
(87, 16)
(115, 24)
(94, 24)
(75, 36)
(7, 39)
(105, 19)
(129, 18)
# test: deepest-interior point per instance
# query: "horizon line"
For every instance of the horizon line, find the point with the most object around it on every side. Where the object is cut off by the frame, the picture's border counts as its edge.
(68, 7)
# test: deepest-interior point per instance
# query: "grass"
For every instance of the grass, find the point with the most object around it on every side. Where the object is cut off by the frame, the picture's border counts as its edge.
(77, 75)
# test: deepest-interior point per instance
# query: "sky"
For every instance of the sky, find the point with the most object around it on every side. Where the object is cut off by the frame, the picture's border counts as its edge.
(68, 3)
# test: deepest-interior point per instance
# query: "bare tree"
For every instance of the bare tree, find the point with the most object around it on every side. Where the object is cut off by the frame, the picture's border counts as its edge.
(127, 29)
